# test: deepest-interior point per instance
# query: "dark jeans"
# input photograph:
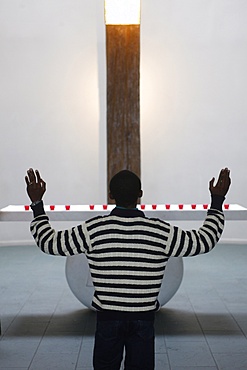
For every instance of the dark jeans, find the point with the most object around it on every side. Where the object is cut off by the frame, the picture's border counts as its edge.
(135, 336)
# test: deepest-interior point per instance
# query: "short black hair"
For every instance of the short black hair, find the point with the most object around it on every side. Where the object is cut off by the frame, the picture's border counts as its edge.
(125, 188)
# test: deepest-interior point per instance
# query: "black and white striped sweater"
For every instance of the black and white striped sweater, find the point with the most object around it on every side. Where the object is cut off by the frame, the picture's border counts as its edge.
(127, 253)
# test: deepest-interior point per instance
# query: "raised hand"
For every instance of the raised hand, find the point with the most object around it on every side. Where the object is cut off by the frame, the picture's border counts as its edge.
(223, 183)
(36, 187)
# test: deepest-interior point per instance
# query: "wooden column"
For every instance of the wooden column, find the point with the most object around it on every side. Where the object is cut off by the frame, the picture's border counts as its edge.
(123, 98)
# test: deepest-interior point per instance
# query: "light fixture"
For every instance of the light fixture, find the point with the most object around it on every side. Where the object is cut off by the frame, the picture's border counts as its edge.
(122, 12)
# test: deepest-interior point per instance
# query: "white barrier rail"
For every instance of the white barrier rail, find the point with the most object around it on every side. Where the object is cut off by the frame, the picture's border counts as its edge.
(181, 212)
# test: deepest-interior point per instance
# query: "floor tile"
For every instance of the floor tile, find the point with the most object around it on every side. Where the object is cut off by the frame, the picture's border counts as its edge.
(227, 342)
(228, 361)
(189, 354)
(51, 360)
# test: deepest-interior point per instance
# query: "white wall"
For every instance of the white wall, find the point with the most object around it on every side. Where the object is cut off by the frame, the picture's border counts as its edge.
(193, 99)
(52, 106)
(50, 112)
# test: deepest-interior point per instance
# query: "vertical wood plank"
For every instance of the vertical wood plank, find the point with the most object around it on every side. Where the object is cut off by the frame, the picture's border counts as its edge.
(123, 98)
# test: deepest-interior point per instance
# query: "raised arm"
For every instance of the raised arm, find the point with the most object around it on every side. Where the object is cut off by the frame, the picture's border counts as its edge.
(50, 241)
(190, 243)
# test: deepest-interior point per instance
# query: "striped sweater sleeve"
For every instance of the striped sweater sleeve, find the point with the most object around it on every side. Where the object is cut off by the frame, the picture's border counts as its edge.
(63, 243)
(183, 243)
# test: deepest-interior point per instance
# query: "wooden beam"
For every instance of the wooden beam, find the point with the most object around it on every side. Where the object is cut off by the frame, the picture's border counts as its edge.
(123, 98)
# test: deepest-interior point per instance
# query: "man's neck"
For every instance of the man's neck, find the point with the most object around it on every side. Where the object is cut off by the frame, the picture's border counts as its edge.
(131, 206)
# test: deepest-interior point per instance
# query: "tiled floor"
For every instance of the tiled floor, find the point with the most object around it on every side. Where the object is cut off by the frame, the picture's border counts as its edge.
(44, 327)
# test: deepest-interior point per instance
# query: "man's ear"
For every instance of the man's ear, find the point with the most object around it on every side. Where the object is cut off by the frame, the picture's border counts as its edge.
(140, 193)
(111, 196)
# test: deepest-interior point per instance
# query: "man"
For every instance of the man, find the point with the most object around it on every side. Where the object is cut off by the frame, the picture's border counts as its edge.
(127, 254)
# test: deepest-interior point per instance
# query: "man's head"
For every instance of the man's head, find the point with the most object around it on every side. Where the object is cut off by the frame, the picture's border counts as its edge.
(125, 188)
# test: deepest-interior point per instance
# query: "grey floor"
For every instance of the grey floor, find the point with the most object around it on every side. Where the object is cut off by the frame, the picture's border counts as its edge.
(44, 327)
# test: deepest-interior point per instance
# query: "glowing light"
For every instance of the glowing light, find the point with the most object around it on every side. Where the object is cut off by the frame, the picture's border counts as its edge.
(122, 12)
